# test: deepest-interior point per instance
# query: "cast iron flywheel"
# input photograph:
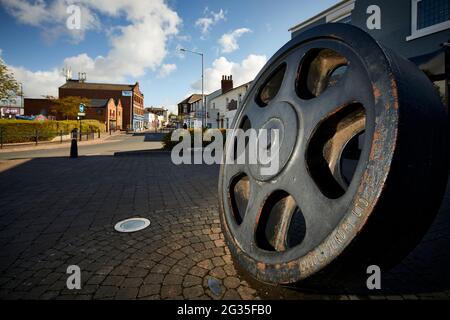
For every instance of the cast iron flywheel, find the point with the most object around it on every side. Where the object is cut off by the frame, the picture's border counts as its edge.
(362, 160)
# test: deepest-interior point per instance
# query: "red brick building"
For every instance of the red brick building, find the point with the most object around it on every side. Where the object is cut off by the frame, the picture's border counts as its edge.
(34, 107)
(130, 96)
(107, 111)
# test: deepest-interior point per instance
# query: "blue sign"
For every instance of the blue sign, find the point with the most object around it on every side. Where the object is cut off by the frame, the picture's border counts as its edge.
(81, 108)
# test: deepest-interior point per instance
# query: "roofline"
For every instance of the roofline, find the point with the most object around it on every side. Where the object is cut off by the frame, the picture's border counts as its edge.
(118, 84)
(190, 96)
(242, 85)
(235, 88)
(320, 15)
(101, 83)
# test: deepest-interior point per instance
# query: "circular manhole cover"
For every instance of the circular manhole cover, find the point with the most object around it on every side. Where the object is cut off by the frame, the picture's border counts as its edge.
(132, 225)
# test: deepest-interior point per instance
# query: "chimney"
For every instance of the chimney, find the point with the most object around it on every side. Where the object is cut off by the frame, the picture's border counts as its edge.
(226, 84)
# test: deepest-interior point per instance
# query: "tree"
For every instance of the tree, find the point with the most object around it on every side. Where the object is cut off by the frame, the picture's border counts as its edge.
(9, 87)
(67, 107)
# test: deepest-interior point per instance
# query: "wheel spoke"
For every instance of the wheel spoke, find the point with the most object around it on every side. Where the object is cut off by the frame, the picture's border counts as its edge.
(350, 89)
(287, 207)
(319, 212)
(258, 195)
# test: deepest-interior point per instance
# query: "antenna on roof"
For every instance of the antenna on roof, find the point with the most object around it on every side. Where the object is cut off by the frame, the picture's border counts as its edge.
(82, 77)
(67, 72)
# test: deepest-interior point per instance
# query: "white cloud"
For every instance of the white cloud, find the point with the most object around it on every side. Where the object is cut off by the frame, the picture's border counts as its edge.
(242, 72)
(51, 17)
(210, 19)
(134, 48)
(37, 84)
(40, 83)
(228, 41)
(166, 69)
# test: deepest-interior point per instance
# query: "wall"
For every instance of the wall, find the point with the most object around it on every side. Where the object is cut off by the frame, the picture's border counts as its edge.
(138, 109)
(221, 107)
(119, 116)
(395, 27)
(33, 107)
(96, 114)
(102, 94)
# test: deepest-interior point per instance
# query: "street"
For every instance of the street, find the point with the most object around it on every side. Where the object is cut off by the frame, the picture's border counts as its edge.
(58, 212)
(115, 143)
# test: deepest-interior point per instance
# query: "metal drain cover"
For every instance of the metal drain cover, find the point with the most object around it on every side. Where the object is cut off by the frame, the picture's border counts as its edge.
(132, 225)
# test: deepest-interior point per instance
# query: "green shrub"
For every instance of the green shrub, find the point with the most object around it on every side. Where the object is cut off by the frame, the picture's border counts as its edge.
(168, 144)
(15, 131)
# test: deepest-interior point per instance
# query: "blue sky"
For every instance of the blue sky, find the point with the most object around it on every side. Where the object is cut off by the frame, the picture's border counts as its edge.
(125, 41)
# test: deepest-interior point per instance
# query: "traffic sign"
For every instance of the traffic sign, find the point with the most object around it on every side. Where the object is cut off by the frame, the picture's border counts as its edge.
(81, 114)
(81, 108)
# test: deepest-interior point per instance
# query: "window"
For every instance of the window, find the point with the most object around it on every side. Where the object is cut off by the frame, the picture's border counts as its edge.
(431, 12)
(429, 16)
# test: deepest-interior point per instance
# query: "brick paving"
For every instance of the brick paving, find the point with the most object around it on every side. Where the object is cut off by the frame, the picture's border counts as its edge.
(57, 212)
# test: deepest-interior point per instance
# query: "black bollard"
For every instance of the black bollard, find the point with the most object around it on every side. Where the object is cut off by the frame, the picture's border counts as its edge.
(74, 149)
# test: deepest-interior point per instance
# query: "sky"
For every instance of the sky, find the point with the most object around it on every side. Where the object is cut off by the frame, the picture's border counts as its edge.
(124, 41)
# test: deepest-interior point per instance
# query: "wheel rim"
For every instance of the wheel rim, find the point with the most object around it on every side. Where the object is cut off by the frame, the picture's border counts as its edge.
(286, 226)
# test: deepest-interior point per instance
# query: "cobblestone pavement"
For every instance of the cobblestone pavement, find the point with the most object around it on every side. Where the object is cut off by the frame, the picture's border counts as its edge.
(57, 212)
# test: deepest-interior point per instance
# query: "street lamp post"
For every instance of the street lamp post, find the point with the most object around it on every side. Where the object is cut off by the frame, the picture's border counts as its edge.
(21, 97)
(203, 95)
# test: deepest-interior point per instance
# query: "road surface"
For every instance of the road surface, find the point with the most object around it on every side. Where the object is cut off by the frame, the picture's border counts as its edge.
(111, 145)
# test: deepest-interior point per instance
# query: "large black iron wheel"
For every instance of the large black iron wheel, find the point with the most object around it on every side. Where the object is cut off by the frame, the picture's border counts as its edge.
(362, 154)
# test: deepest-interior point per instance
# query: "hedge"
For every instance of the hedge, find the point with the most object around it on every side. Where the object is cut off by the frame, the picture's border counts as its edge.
(15, 131)
(168, 144)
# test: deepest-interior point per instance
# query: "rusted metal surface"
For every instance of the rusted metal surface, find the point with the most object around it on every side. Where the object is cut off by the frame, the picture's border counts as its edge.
(364, 166)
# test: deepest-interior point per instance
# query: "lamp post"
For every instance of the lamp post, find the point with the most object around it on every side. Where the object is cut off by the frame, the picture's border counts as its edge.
(203, 96)
(21, 99)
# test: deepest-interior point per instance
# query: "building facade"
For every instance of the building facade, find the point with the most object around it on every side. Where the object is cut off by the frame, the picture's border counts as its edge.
(191, 111)
(35, 107)
(155, 118)
(416, 29)
(107, 111)
(11, 107)
(132, 99)
(162, 113)
(223, 104)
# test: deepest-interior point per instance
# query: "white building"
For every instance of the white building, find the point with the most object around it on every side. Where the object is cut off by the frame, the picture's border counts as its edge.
(155, 118)
(223, 104)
